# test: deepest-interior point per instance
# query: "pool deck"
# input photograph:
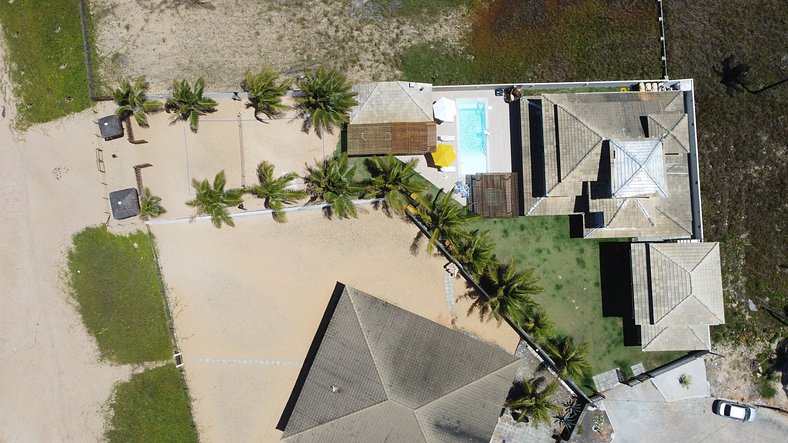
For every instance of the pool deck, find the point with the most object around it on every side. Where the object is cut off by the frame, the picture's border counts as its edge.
(499, 156)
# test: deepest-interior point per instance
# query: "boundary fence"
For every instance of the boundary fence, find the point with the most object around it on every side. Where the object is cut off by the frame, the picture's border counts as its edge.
(86, 40)
(662, 43)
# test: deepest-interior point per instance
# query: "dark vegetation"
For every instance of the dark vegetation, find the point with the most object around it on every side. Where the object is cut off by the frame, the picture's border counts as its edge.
(735, 50)
(545, 40)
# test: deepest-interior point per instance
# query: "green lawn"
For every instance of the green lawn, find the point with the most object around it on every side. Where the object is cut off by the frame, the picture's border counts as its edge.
(568, 269)
(116, 285)
(45, 58)
(151, 407)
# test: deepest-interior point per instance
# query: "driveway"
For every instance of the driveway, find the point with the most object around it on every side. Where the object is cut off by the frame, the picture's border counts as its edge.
(640, 415)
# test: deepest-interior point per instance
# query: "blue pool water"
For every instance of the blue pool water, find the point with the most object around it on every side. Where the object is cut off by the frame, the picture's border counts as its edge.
(471, 127)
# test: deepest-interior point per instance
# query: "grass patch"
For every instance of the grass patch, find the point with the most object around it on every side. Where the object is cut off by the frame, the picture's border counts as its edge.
(545, 40)
(45, 59)
(151, 407)
(568, 269)
(116, 285)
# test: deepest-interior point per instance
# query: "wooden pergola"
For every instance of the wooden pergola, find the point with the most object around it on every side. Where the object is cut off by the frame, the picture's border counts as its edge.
(494, 195)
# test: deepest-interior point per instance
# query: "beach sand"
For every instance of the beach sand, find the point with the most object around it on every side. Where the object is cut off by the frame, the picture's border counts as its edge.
(156, 39)
(52, 386)
(247, 302)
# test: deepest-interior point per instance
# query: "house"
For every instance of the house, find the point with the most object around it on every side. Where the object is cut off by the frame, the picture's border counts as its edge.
(677, 294)
(392, 118)
(376, 372)
(620, 161)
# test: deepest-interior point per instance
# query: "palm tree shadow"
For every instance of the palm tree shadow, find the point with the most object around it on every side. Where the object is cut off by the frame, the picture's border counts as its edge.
(415, 245)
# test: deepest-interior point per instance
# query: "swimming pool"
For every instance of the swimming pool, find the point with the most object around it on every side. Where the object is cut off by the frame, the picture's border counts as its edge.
(472, 132)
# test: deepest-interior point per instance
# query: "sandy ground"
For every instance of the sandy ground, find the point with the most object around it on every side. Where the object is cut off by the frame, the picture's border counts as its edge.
(730, 376)
(153, 38)
(52, 386)
(247, 302)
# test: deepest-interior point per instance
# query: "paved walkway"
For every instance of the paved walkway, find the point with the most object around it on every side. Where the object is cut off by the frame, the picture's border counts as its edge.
(606, 380)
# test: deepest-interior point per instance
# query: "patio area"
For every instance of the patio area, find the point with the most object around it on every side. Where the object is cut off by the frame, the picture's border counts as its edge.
(496, 155)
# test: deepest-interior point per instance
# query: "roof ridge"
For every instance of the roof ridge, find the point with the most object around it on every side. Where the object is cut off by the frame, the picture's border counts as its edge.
(662, 331)
(669, 131)
(338, 418)
(644, 211)
(399, 83)
(672, 219)
(696, 335)
(366, 340)
(682, 300)
(377, 85)
(703, 258)
(477, 380)
(620, 207)
(691, 296)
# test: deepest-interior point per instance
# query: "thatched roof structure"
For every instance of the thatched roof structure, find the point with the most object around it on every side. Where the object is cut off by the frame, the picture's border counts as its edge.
(125, 203)
(376, 372)
(110, 127)
(494, 195)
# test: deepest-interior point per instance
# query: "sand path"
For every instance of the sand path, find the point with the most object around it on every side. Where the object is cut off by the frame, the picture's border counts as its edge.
(51, 385)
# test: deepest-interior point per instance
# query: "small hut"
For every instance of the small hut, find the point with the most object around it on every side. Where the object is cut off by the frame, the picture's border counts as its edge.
(125, 203)
(110, 127)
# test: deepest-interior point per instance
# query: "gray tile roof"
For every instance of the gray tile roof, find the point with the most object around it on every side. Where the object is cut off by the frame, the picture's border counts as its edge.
(399, 376)
(648, 198)
(677, 294)
(392, 102)
(638, 168)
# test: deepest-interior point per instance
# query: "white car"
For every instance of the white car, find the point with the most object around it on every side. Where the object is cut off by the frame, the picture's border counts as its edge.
(730, 409)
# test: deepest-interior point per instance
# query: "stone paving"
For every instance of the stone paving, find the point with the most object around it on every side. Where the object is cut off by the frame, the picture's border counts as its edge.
(638, 369)
(606, 380)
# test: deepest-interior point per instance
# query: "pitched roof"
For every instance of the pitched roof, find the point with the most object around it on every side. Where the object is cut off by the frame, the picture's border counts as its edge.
(677, 294)
(675, 338)
(392, 102)
(397, 376)
(572, 149)
(638, 169)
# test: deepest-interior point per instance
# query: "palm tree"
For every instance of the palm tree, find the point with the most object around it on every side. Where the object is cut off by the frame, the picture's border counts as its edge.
(537, 324)
(189, 103)
(532, 404)
(475, 253)
(213, 199)
(326, 99)
(132, 101)
(331, 181)
(444, 217)
(150, 205)
(394, 181)
(571, 360)
(509, 292)
(275, 191)
(265, 94)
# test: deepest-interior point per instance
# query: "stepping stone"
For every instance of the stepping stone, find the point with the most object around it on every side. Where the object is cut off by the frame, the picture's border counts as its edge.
(606, 380)
(638, 369)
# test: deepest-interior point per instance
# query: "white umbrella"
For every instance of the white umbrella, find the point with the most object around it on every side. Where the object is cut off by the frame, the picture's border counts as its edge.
(444, 109)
